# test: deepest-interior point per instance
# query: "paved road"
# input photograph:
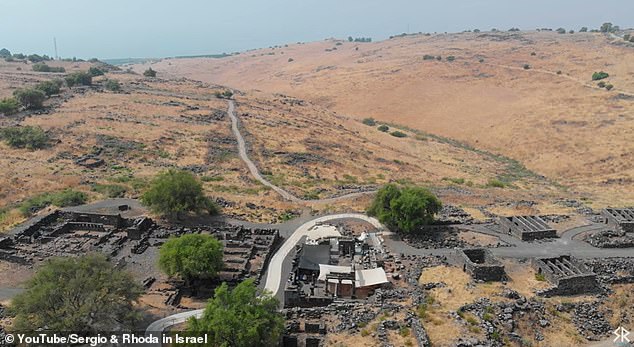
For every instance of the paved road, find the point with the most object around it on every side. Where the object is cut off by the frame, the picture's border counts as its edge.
(253, 169)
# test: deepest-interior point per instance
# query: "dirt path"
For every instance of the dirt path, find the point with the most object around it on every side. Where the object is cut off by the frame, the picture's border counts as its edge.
(242, 149)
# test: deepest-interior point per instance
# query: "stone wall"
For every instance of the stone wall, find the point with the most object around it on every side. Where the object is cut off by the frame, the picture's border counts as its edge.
(481, 264)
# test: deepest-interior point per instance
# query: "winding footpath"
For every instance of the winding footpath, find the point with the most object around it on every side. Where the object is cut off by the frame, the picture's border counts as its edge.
(253, 169)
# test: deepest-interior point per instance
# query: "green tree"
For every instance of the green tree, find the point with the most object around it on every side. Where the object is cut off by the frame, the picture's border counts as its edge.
(9, 106)
(240, 318)
(30, 98)
(84, 294)
(599, 75)
(583, 30)
(191, 256)
(405, 209)
(149, 73)
(606, 27)
(5, 53)
(174, 192)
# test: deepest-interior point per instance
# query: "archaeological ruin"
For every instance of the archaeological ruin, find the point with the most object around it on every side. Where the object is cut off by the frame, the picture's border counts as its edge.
(527, 228)
(481, 264)
(620, 218)
(568, 276)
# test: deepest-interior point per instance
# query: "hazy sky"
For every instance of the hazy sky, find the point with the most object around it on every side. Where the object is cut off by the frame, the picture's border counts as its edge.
(159, 28)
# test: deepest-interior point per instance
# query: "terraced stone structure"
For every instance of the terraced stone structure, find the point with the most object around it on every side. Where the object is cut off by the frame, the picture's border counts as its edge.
(527, 228)
(620, 218)
(481, 264)
(568, 276)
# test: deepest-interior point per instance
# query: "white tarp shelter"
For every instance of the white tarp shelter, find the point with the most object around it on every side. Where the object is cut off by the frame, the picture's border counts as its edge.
(370, 277)
(325, 270)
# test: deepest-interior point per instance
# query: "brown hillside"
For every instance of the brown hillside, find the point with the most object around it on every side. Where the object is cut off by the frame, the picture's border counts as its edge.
(559, 125)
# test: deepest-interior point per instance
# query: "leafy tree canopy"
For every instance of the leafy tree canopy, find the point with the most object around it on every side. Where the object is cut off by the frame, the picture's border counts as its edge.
(191, 256)
(30, 98)
(174, 192)
(84, 294)
(405, 209)
(240, 318)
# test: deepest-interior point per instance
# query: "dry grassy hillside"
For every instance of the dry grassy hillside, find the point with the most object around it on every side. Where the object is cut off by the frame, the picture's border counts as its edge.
(110, 144)
(551, 116)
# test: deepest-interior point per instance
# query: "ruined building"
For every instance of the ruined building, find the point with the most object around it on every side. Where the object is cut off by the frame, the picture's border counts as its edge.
(568, 276)
(620, 218)
(527, 228)
(481, 264)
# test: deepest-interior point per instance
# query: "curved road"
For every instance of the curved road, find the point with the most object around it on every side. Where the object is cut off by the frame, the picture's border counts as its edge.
(242, 150)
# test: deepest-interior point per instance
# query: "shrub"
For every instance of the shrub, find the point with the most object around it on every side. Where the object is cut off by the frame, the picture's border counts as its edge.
(95, 71)
(559, 72)
(50, 87)
(41, 67)
(5, 53)
(34, 58)
(533, 54)
(63, 198)
(149, 73)
(495, 183)
(481, 60)
(583, 30)
(561, 31)
(428, 57)
(451, 58)
(30, 98)
(290, 60)
(9, 106)
(227, 94)
(540, 277)
(601, 84)
(527, 67)
(191, 256)
(79, 79)
(609, 86)
(600, 75)
(571, 32)
(369, 121)
(25, 137)
(439, 58)
(607, 28)
(113, 85)
(384, 128)
(398, 134)
(626, 37)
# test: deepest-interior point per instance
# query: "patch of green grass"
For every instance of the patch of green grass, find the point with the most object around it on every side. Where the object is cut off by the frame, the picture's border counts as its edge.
(404, 331)
(540, 277)
(312, 195)
(369, 121)
(212, 178)
(62, 198)
(454, 180)
(495, 183)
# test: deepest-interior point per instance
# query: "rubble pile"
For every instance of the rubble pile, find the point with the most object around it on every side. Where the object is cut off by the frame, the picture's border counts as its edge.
(590, 322)
(611, 239)
(454, 215)
(445, 237)
(613, 270)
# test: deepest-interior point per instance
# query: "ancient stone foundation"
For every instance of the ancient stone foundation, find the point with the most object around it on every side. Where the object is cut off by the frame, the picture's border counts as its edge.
(481, 264)
(568, 276)
(527, 228)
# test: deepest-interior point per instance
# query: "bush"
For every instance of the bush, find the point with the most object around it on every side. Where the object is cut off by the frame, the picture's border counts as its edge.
(540, 277)
(113, 85)
(79, 79)
(25, 137)
(95, 71)
(451, 58)
(9, 106)
(41, 67)
(34, 58)
(601, 84)
(609, 86)
(50, 87)
(404, 209)
(398, 134)
(369, 121)
(227, 94)
(626, 37)
(384, 128)
(149, 73)
(495, 183)
(428, 57)
(561, 31)
(5, 53)
(63, 198)
(290, 60)
(583, 30)
(527, 67)
(30, 98)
